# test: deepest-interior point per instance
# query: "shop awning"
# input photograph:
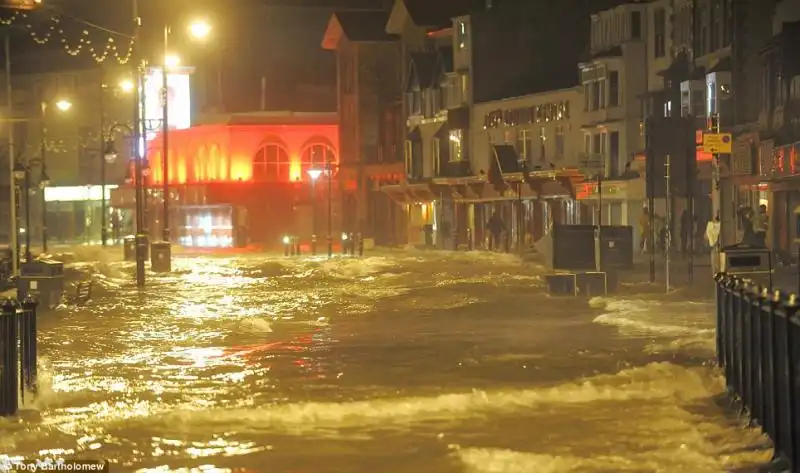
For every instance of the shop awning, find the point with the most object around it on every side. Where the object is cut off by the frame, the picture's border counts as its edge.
(421, 193)
(398, 193)
(558, 187)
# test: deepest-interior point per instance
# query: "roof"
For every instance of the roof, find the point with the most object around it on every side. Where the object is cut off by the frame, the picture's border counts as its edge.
(357, 27)
(440, 12)
(364, 25)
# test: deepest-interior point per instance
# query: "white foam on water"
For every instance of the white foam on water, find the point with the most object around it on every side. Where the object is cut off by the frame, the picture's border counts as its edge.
(255, 325)
(654, 381)
(670, 325)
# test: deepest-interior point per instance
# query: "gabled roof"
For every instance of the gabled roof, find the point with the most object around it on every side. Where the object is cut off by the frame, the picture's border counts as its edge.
(357, 27)
(430, 13)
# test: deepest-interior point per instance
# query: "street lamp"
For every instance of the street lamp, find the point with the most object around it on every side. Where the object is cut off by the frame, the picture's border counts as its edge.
(199, 30)
(22, 175)
(314, 174)
(126, 86)
(109, 156)
(63, 106)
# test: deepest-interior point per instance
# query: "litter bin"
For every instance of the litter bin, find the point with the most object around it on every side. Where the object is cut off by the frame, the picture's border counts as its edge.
(43, 280)
(130, 248)
(161, 257)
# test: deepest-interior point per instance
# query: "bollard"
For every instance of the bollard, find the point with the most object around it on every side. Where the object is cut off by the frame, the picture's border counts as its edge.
(360, 244)
(345, 243)
(28, 346)
(330, 246)
(314, 245)
(297, 246)
(470, 244)
(9, 386)
(286, 241)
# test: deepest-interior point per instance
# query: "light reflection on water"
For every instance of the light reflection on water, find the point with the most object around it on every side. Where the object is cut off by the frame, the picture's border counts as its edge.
(330, 365)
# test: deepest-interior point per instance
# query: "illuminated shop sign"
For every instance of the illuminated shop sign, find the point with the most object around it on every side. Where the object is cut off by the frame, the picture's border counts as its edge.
(77, 193)
(179, 100)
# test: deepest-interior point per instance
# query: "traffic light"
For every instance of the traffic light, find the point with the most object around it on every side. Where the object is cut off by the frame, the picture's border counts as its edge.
(20, 4)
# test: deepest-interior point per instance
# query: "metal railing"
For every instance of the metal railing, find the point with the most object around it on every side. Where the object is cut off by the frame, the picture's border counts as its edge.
(758, 347)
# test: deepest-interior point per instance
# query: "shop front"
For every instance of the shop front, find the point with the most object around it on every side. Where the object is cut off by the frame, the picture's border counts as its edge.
(621, 202)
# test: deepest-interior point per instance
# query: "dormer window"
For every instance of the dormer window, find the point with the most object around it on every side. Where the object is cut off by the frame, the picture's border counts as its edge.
(462, 34)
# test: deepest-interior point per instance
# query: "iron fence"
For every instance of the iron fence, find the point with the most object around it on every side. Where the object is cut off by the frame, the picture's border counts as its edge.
(758, 347)
(18, 353)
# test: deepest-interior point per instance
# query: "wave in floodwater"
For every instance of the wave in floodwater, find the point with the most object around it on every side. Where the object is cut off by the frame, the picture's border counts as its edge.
(670, 326)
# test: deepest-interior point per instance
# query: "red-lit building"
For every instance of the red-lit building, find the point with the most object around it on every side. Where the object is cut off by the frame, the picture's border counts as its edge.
(244, 182)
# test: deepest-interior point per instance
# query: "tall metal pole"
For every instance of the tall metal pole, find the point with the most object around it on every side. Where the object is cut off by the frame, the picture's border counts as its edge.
(43, 157)
(103, 208)
(141, 238)
(27, 215)
(314, 216)
(12, 192)
(716, 190)
(668, 238)
(165, 132)
(598, 244)
(330, 209)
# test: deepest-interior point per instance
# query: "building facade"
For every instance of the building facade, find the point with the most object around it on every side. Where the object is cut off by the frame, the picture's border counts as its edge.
(245, 182)
(68, 141)
(371, 127)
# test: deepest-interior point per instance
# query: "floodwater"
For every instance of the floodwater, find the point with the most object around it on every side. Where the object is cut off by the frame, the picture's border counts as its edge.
(404, 362)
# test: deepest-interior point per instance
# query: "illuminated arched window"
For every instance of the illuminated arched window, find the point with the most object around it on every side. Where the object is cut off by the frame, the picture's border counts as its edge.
(317, 156)
(271, 163)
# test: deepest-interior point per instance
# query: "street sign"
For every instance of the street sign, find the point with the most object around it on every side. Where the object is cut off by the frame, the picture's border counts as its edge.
(719, 143)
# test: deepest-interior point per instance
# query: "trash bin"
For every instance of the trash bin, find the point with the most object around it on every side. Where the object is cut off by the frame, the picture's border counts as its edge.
(43, 280)
(161, 257)
(130, 248)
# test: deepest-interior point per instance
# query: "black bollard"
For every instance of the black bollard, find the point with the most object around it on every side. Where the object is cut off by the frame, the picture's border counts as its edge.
(297, 246)
(28, 346)
(9, 385)
(360, 245)
(345, 243)
(286, 242)
(313, 245)
(470, 244)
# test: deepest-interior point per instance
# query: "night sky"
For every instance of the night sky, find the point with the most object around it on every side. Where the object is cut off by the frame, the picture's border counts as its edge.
(276, 39)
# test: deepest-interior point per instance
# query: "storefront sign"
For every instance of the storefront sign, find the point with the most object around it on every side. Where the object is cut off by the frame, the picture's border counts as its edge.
(543, 113)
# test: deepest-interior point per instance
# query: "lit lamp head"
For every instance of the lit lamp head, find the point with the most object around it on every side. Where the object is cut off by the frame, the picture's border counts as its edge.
(64, 105)
(286, 240)
(344, 236)
(19, 172)
(109, 152)
(172, 60)
(314, 173)
(200, 29)
(126, 86)
(44, 181)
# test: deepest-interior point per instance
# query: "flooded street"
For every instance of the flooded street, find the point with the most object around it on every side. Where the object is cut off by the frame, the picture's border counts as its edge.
(399, 363)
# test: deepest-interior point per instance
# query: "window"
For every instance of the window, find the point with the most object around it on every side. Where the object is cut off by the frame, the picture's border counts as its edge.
(525, 145)
(456, 145)
(668, 109)
(542, 145)
(636, 25)
(659, 33)
(595, 105)
(587, 96)
(462, 35)
(613, 89)
(613, 152)
(464, 88)
(559, 142)
(436, 157)
(794, 88)
(316, 156)
(271, 162)
(587, 143)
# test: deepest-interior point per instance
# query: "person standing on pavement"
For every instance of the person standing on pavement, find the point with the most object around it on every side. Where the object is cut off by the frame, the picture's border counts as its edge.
(496, 228)
(712, 238)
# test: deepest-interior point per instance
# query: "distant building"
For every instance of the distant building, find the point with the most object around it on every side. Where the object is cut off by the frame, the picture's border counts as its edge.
(371, 128)
(70, 141)
(244, 180)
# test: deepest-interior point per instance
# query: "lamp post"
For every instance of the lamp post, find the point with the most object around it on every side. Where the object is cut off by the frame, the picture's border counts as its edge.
(125, 86)
(329, 168)
(22, 173)
(198, 30)
(109, 156)
(314, 174)
(136, 62)
(63, 106)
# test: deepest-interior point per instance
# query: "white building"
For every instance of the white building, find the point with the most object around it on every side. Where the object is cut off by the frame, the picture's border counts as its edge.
(630, 46)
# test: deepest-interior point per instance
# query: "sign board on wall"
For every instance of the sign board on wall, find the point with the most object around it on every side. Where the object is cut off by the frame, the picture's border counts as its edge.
(179, 101)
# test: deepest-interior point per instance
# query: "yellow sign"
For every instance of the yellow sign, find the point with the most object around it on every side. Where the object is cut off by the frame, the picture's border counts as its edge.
(718, 143)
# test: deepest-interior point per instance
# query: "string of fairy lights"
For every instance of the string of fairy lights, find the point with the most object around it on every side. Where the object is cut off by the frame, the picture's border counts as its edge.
(54, 29)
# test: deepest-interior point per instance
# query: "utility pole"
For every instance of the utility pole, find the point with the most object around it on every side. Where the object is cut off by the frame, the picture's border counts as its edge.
(598, 231)
(668, 237)
(716, 190)
(141, 237)
(13, 230)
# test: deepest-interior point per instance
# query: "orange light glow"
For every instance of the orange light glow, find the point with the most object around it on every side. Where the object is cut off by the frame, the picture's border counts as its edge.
(226, 153)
